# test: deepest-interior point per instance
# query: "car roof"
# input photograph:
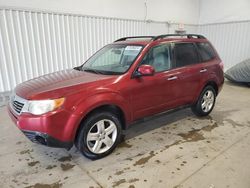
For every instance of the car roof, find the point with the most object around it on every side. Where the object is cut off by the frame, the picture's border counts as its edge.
(144, 40)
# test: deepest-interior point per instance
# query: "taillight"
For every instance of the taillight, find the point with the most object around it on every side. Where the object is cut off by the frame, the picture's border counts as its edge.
(222, 66)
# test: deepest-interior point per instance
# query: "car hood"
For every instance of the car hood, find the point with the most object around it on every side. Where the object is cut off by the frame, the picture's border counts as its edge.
(58, 84)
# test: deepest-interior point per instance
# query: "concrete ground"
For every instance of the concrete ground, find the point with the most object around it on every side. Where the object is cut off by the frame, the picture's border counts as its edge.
(172, 150)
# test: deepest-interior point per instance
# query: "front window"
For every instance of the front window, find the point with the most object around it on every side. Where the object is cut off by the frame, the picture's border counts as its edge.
(112, 59)
(159, 58)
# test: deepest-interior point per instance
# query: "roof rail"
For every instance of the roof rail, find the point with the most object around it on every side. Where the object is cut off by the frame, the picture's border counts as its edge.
(163, 36)
(179, 35)
(135, 37)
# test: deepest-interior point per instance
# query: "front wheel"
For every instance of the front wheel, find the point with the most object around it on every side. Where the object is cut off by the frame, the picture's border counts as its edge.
(99, 135)
(205, 103)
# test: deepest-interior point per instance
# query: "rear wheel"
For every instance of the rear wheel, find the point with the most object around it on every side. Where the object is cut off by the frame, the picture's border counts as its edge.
(99, 135)
(205, 103)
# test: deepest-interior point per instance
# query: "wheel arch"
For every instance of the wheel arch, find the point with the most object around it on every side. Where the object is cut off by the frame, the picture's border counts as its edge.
(105, 107)
(111, 102)
(210, 82)
(213, 84)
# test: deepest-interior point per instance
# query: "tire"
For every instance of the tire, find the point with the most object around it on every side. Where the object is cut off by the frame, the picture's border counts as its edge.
(206, 102)
(99, 135)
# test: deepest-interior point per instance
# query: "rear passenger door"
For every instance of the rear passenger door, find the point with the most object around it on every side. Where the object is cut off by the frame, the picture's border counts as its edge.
(186, 63)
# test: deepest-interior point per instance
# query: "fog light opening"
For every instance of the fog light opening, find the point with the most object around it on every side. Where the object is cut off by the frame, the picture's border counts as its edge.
(41, 140)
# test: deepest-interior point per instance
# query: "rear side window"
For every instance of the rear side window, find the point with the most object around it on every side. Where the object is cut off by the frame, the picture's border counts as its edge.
(185, 54)
(206, 51)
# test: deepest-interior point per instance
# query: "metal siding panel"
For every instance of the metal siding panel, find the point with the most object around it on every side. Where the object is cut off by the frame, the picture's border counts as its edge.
(37, 32)
(45, 59)
(33, 43)
(5, 76)
(8, 49)
(15, 52)
(41, 42)
(231, 40)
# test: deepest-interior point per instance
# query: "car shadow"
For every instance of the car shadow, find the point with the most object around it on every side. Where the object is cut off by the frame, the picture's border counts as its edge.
(154, 122)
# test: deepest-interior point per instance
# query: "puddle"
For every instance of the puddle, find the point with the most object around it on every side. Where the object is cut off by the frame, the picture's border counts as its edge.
(210, 127)
(220, 116)
(65, 158)
(121, 181)
(33, 163)
(119, 172)
(175, 143)
(124, 145)
(26, 151)
(99, 169)
(18, 143)
(49, 167)
(195, 135)
(39, 185)
(117, 183)
(133, 180)
(233, 123)
(144, 159)
(192, 136)
(131, 158)
(122, 171)
(67, 166)
(158, 161)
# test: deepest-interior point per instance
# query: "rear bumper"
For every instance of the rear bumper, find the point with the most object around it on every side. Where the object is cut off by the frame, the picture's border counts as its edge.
(45, 139)
(220, 85)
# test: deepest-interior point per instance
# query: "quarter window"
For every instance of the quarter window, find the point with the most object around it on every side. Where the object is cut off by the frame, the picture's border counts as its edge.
(185, 54)
(206, 51)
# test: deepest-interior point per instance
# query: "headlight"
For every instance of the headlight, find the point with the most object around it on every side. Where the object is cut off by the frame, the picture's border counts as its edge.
(38, 107)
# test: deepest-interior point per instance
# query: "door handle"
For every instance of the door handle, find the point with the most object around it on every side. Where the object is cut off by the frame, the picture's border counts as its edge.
(172, 78)
(203, 70)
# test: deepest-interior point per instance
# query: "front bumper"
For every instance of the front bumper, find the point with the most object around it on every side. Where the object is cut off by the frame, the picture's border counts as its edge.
(45, 139)
(54, 129)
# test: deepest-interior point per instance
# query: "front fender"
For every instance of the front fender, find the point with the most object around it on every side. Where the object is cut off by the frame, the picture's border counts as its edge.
(111, 98)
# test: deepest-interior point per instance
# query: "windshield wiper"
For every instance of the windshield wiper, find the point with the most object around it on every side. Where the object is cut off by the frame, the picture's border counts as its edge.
(93, 71)
(77, 68)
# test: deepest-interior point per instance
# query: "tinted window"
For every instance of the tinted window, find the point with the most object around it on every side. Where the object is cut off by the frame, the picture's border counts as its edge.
(159, 58)
(206, 51)
(185, 54)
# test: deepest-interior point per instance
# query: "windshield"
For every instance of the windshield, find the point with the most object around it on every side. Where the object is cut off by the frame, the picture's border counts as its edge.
(112, 59)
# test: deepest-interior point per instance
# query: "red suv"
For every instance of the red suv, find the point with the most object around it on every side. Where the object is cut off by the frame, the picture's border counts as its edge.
(132, 78)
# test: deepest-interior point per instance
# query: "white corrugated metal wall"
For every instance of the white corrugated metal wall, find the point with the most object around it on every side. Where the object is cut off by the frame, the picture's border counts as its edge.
(35, 43)
(232, 40)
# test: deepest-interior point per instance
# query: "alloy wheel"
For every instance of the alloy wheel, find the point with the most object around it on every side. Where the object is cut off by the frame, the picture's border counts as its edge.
(207, 101)
(101, 136)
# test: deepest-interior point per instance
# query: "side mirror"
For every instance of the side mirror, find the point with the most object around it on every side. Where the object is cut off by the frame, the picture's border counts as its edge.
(145, 70)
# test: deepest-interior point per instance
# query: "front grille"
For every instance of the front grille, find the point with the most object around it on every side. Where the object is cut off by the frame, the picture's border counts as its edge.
(17, 106)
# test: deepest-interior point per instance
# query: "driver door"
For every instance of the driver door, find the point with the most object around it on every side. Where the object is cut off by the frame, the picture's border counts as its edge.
(150, 94)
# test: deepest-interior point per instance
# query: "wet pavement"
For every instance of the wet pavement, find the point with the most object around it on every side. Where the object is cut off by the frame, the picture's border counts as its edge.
(174, 149)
